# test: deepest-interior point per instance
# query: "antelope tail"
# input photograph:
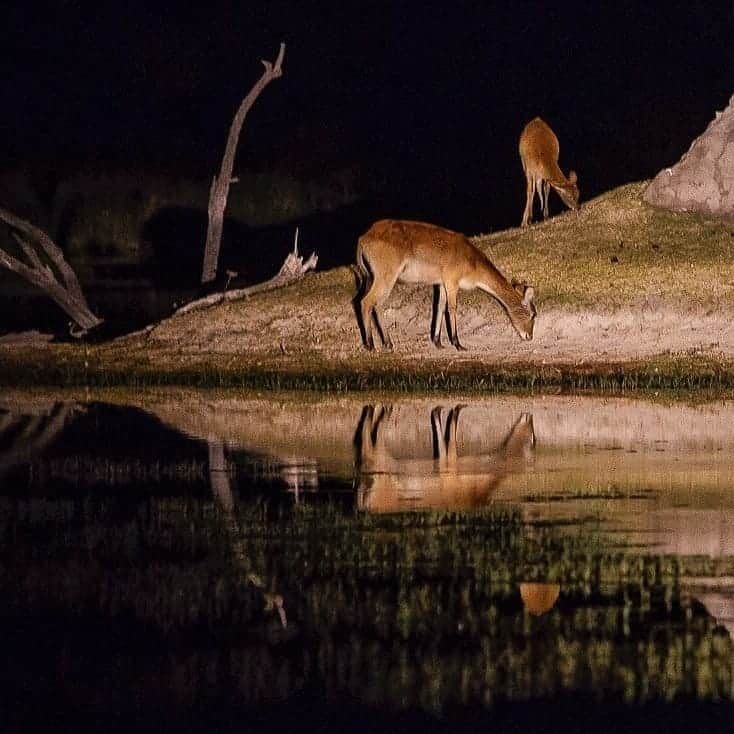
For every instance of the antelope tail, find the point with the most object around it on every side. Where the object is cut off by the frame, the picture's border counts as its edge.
(362, 268)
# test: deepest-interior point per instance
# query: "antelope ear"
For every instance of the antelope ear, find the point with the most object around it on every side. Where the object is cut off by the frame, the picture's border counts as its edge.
(572, 177)
(528, 295)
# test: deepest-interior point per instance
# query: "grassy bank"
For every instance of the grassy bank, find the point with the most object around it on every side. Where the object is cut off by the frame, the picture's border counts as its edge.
(617, 250)
(629, 298)
(69, 366)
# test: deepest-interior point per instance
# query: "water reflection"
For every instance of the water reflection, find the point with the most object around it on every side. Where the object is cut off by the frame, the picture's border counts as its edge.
(538, 598)
(388, 482)
(29, 429)
(481, 559)
(658, 475)
(222, 490)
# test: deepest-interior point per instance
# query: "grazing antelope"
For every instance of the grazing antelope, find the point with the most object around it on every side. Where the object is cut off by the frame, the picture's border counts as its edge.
(539, 154)
(393, 483)
(416, 252)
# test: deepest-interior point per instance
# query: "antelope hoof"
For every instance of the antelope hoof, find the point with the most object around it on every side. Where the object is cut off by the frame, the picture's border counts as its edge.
(437, 343)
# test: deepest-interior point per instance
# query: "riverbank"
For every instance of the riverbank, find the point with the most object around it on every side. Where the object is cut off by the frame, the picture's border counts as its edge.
(628, 297)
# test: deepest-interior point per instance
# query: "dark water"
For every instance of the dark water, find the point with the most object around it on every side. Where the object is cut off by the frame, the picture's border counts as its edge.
(206, 561)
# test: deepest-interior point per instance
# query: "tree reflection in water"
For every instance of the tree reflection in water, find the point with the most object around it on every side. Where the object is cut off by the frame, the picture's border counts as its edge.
(27, 434)
(222, 490)
(164, 601)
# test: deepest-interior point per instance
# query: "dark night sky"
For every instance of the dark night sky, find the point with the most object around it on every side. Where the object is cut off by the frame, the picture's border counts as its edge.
(432, 94)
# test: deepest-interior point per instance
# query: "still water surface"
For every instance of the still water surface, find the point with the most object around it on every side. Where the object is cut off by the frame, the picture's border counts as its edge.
(205, 561)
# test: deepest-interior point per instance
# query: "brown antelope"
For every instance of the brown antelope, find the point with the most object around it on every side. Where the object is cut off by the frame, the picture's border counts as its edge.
(416, 252)
(539, 154)
(393, 483)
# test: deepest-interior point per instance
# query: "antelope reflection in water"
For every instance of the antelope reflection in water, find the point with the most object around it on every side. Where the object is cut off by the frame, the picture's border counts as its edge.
(388, 483)
(539, 598)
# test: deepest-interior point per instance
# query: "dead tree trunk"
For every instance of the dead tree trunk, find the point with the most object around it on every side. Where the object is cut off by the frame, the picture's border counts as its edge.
(220, 184)
(52, 274)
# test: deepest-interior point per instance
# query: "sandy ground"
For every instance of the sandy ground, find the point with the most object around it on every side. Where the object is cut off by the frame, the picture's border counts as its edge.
(315, 320)
(317, 317)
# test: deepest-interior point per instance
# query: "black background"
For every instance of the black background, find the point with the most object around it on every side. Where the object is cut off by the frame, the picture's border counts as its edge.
(430, 96)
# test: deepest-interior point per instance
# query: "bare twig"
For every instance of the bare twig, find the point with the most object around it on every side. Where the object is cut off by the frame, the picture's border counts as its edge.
(230, 274)
(220, 184)
(292, 270)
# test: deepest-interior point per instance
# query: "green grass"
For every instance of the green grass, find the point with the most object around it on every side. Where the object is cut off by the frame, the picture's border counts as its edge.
(618, 250)
(75, 367)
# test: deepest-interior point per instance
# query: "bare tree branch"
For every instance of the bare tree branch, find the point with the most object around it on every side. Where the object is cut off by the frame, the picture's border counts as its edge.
(220, 184)
(15, 265)
(30, 253)
(66, 292)
(51, 249)
(292, 269)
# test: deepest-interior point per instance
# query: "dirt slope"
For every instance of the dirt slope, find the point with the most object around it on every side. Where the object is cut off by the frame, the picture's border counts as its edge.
(620, 280)
(617, 282)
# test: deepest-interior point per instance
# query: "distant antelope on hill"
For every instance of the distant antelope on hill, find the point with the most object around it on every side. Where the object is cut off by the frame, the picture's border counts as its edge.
(416, 252)
(539, 154)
